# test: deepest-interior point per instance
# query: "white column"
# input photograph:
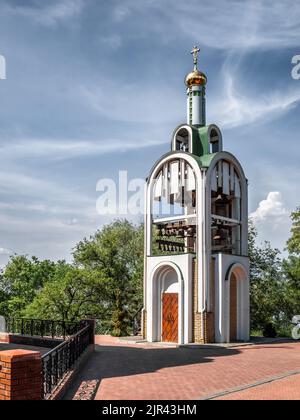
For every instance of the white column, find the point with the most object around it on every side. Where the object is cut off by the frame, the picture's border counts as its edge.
(196, 104)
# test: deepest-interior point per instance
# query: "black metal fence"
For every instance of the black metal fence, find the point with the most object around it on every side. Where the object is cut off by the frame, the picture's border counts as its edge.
(42, 328)
(137, 322)
(58, 362)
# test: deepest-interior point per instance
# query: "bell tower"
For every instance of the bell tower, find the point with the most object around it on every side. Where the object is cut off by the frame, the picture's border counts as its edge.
(196, 274)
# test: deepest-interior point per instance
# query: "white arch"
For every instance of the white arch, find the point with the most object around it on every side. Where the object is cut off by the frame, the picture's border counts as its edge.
(189, 130)
(244, 207)
(201, 215)
(241, 275)
(216, 128)
(154, 320)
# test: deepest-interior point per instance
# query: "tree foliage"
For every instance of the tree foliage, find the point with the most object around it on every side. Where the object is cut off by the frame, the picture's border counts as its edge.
(69, 296)
(291, 267)
(116, 254)
(21, 280)
(266, 282)
(105, 280)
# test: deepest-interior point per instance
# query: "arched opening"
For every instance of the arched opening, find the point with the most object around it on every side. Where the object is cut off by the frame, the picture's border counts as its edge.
(167, 306)
(233, 309)
(214, 140)
(173, 205)
(182, 140)
(226, 209)
(238, 304)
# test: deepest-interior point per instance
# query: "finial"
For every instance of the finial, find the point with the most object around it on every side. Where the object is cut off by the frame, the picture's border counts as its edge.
(195, 52)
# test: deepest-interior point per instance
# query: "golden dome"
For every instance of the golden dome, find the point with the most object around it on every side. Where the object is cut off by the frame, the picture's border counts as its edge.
(196, 77)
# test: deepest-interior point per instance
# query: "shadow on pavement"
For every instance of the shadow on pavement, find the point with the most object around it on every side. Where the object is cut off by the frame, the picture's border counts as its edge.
(117, 361)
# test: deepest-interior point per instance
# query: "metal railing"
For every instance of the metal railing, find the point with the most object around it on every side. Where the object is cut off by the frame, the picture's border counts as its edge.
(137, 322)
(42, 328)
(58, 362)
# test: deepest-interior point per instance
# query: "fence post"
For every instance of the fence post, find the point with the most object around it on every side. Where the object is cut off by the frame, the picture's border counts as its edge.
(20, 375)
(92, 324)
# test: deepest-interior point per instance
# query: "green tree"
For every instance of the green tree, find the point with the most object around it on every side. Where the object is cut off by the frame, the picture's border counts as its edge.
(266, 283)
(71, 295)
(116, 254)
(21, 279)
(291, 268)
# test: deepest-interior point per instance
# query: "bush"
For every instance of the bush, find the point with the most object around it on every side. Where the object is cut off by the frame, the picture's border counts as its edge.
(270, 331)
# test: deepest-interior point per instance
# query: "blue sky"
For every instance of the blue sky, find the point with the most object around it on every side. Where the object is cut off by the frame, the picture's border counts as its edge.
(96, 86)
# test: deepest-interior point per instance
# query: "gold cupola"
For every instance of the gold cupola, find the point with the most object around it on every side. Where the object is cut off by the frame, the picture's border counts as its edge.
(196, 77)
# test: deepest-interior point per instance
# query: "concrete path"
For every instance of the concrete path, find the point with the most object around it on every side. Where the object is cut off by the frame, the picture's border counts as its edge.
(123, 371)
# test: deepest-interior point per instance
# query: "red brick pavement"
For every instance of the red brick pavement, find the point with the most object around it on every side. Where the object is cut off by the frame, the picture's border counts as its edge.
(133, 372)
(283, 389)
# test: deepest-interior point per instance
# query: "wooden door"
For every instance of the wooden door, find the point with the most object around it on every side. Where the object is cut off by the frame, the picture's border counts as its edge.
(170, 317)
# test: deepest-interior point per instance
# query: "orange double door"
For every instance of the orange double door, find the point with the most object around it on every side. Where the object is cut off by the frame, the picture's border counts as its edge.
(170, 317)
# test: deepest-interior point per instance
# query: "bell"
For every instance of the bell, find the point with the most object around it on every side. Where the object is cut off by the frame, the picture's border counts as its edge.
(218, 235)
(180, 233)
(190, 232)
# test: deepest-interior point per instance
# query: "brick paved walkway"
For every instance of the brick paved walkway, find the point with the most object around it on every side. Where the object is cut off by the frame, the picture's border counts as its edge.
(283, 389)
(132, 371)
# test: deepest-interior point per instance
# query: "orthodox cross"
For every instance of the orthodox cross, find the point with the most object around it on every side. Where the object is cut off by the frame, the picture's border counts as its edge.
(195, 52)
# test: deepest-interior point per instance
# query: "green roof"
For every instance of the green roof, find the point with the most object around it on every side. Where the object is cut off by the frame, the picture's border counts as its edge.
(205, 160)
(200, 140)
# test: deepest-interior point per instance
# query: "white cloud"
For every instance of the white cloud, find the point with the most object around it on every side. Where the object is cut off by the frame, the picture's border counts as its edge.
(33, 206)
(221, 24)
(5, 251)
(50, 13)
(237, 109)
(270, 210)
(129, 103)
(64, 149)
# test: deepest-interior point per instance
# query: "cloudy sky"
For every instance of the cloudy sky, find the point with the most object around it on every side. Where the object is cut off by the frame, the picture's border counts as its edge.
(96, 86)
